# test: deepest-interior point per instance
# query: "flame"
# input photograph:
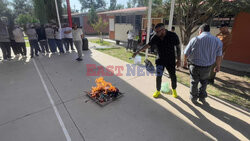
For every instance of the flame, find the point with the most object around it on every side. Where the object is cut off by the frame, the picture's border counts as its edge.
(102, 86)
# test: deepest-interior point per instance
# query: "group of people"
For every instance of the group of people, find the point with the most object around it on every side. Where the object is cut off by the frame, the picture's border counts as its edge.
(42, 39)
(202, 55)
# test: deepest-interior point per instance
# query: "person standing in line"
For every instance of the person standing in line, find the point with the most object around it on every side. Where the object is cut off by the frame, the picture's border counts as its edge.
(19, 39)
(226, 37)
(68, 38)
(58, 39)
(143, 37)
(40, 30)
(130, 40)
(5, 40)
(50, 35)
(13, 43)
(165, 42)
(77, 37)
(33, 39)
(200, 54)
(63, 37)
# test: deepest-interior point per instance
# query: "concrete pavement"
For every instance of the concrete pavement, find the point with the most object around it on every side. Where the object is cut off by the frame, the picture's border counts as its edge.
(26, 113)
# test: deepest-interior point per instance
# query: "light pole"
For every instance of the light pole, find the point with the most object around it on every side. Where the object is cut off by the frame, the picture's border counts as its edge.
(149, 24)
(58, 17)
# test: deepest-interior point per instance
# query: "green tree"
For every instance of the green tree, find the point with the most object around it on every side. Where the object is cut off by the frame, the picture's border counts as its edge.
(230, 9)
(50, 8)
(23, 19)
(3, 7)
(191, 13)
(40, 12)
(87, 4)
(92, 16)
(112, 5)
(132, 3)
(99, 27)
(129, 5)
(119, 6)
(22, 7)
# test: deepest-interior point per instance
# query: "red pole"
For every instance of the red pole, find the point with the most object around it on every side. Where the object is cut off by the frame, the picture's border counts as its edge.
(69, 13)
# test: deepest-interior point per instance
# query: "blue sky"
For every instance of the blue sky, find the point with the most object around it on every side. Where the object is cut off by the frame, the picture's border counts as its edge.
(76, 4)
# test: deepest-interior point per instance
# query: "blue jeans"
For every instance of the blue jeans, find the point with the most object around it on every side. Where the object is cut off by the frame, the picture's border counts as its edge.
(52, 45)
(59, 44)
(34, 46)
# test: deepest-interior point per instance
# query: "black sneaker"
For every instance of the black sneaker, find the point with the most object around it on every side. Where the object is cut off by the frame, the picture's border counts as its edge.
(203, 100)
(79, 59)
(194, 100)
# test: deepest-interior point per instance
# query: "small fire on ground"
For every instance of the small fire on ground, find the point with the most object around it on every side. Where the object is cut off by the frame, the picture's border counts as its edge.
(103, 92)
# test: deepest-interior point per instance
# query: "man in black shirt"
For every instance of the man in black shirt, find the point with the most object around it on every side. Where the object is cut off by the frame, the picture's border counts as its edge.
(40, 30)
(165, 42)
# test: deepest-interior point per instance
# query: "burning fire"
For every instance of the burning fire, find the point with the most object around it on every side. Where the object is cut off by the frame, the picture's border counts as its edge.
(103, 90)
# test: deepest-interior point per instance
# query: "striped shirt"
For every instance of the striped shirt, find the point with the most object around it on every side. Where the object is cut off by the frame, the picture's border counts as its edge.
(203, 49)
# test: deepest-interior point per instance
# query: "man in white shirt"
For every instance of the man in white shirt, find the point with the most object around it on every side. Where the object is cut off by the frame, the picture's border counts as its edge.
(50, 35)
(58, 39)
(5, 40)
(130, 40)
(68, 38)
(19, 38)
(33, 39)
(77, 37)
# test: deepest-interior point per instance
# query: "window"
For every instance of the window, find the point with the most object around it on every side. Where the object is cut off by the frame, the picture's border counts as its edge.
(123, 19)
(117, 19)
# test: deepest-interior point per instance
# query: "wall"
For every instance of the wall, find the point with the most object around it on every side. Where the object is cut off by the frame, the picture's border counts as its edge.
(121, 31)
(239, 51)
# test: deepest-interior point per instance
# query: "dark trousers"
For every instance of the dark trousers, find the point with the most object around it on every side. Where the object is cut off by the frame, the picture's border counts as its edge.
(44, 46)
(198, 75)
(34, 46)
(69, 41)
(130, 43)
(52, 45)
(212, 74)
(171, 71)
(59, 44)
(5, 46)
(22, 48)
(14, 47)
(64, 43)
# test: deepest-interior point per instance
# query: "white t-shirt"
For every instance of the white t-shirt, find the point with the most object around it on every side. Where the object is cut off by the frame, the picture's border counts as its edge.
(58, 34)
(77, 34)
(62, 33)
(18, 35)
(69, 35)
(50, 33)
(31, 33)
(130, 35)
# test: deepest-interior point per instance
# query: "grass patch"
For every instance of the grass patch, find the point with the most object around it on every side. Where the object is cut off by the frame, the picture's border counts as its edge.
(121, 53)
(228, 94)
(97, 41)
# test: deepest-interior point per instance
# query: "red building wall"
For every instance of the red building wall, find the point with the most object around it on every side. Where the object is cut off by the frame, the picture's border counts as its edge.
(239, 51)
